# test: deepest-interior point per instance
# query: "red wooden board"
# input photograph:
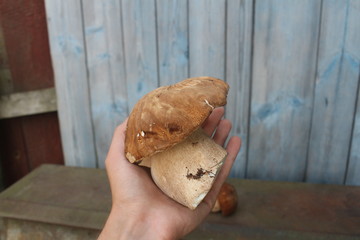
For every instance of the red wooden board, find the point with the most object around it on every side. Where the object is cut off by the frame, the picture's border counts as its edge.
(28, 142)
(42, 137)
(14, 158)
(25, 34)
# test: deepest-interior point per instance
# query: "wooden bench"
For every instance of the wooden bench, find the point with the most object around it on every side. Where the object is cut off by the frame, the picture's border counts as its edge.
(57, 202)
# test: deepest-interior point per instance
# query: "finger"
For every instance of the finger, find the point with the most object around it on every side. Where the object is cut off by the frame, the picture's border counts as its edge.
(116, 150)
(222, 132)
(213, 120)
(206, 205)
(119, 133)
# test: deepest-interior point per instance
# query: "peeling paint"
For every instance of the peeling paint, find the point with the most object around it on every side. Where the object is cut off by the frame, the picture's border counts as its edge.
(94, 29)
(270, 112)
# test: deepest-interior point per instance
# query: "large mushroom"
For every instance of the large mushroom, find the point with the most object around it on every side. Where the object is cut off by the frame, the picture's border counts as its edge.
(164, 133)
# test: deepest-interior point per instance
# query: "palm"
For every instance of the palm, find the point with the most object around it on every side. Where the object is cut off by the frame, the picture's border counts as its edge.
(133, 187)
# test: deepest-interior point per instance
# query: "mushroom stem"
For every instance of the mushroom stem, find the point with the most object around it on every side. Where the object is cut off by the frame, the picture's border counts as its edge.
(187, 171)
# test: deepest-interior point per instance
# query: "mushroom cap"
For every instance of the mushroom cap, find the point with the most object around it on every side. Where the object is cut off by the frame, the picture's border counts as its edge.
(169, 114)
(227, 199)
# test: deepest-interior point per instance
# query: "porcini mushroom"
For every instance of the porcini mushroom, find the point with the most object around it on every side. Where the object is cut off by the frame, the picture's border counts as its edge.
(227, 200)
(164, 133)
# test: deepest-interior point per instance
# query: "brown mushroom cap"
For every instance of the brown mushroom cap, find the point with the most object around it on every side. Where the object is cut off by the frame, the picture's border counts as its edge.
(168, 115)
(228, 199)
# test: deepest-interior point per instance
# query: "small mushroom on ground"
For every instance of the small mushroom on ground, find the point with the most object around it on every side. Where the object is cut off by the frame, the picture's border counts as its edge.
(227, 200)
(164, 133)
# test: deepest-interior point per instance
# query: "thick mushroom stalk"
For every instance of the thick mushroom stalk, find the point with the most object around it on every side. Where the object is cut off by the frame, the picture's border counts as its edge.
(164, 133)
(186, 171)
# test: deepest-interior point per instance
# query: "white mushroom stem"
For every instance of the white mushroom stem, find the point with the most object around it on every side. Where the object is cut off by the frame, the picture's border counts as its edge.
(216, 207)
(187, 171)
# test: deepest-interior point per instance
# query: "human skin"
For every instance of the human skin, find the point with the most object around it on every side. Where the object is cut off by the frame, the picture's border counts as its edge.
(140, 210)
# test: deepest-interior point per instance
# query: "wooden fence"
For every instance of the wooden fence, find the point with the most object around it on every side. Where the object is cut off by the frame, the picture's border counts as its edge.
(293, 67)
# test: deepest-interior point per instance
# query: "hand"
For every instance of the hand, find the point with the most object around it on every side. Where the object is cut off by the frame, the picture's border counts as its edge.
(140, 210)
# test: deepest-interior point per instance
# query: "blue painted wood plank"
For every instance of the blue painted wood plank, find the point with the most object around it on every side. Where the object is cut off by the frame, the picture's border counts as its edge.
(173, 41)
(335, 92)
(353, 68)
(106, 68)
(238, 71)
(284, 67)
(207, 38)
(68, 58)
(353, 171)
(140, 44)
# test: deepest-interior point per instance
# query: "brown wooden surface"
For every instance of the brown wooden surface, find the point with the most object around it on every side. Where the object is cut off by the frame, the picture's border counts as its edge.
(25, 36)
(25, 65)
(80, 197)
(14, 158)
(28, 142)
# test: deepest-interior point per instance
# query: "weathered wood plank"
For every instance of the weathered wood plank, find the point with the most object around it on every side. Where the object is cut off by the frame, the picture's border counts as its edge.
(284, 67)
(173, 42)
(353, 60)
(14, 157)
(207, 23)
(335, 92)
(27, 46)
(68, 56)
(106, 67)
(267, 210)
(238, 70)
(6, 86)
(353, 170)
(19, 229)
(42, 139)
(140, 44)
(27, 103)
(85, 197)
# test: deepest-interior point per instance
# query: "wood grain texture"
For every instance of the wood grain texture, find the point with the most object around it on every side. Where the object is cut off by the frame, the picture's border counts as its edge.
(27, 46)
(207, 24)
(335, 92)
(238, 71)
(66, 37)
(353, 171)
(292, 68)
(77, 197)
(353, 69)
(81, 197)
(28, 103)
(106, 68)
(42, 139)
(284, 67)
(6, 86)
(140, 44)
(14, 157)
(28, 142)
(173, 41)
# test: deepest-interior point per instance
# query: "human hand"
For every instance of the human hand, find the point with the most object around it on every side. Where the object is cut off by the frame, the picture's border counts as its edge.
(140, 210)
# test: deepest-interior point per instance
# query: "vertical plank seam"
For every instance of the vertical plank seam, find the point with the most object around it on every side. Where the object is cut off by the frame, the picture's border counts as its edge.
(225, 41)
(110, 66)
(313, 92)
(124, 55)
(88, 85)
(352, 131)
(188, 36)
(338, 76)
(157, 43)
(250, 87)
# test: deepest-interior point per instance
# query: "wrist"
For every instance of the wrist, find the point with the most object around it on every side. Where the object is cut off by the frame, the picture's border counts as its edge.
(132, 224)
